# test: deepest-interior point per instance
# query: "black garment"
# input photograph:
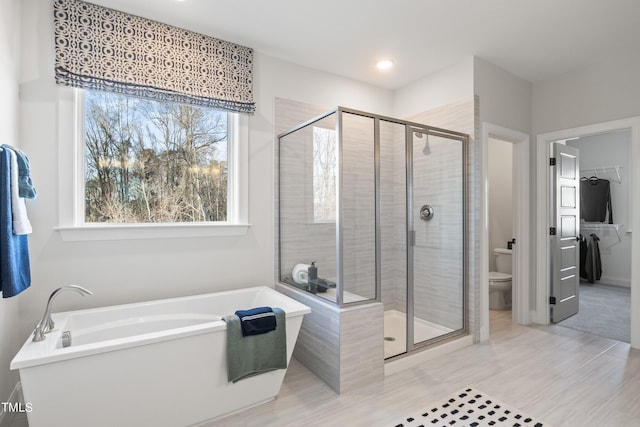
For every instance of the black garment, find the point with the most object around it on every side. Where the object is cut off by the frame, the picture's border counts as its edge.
(595, 200)
(583, 256)
(593, 263)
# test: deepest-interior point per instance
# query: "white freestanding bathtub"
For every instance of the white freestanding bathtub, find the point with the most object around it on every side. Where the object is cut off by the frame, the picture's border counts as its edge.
(157, 363)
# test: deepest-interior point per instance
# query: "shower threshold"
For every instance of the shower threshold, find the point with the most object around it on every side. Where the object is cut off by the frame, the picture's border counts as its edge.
(395, 332)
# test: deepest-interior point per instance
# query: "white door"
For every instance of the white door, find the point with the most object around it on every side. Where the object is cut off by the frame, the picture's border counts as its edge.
(565, 229)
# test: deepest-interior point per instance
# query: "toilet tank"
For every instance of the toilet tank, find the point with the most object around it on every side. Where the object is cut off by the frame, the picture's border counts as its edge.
(503, 260)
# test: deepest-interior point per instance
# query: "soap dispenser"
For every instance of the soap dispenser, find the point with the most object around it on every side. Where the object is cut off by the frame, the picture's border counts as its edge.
(312, 273)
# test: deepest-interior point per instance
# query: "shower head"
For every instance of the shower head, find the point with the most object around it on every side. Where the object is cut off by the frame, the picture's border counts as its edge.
(426, 150)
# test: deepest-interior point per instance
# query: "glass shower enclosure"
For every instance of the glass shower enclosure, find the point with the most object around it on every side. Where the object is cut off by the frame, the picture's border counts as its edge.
(373, 209)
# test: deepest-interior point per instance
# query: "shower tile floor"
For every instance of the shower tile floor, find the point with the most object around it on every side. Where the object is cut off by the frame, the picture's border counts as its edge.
(395, 334)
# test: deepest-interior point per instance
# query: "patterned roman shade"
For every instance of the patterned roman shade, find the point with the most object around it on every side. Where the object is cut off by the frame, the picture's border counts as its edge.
(104, 49)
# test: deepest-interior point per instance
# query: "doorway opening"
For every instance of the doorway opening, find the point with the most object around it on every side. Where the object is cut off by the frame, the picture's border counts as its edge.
(520, 293)
(632, 212)
(605, 244)
(500, 209)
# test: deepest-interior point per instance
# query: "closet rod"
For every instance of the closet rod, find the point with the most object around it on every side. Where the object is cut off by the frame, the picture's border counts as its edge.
(595, 226)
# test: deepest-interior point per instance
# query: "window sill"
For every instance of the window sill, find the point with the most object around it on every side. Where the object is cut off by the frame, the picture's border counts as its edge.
(148, 231)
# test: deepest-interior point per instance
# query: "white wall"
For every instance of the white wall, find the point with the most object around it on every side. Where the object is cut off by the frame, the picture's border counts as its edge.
(452, 83)
(604, 150)
(277, 78)
(9, 63)
(500, 197)
(608, 90)
(135, 270)
(505, 100)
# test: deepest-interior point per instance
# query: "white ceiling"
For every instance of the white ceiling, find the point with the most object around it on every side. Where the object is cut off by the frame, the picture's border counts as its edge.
(533, 39)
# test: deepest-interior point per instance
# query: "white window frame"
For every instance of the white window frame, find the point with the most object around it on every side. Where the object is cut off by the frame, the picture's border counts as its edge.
(71, 224)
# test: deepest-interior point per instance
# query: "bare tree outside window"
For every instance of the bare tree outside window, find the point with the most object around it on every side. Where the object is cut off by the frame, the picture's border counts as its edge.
(324, 174)
(153, 162)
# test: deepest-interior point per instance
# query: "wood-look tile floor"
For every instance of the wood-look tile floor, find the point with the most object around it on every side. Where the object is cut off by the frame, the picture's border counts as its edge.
(561, 376)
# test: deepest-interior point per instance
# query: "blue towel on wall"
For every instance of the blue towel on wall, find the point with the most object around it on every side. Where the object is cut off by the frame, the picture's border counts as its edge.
(25, 185)
(15, 272)
(256, 321)
(255, 354)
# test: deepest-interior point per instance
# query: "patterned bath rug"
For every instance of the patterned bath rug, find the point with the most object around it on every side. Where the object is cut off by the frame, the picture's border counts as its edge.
(471, 408)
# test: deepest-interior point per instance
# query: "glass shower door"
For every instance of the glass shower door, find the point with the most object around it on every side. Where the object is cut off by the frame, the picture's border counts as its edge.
(436, 230)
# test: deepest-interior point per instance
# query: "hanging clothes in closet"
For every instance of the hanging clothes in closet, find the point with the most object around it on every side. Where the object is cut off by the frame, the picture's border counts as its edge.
(15, 185)
(590, 261)
(583, 256)
(595, 199)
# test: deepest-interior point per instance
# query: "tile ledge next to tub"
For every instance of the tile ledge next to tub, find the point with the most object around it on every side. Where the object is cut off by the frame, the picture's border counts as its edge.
(148, 231)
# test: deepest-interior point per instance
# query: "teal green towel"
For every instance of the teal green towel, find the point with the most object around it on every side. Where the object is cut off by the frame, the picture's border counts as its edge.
(255, 354)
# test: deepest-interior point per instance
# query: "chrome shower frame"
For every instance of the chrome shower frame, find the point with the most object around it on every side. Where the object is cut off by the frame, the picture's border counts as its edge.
(410, 127)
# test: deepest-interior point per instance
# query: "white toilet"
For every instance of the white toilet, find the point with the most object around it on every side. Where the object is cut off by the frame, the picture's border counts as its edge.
(500, 281)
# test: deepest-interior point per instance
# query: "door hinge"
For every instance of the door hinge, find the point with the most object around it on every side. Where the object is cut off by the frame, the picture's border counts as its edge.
(552, 231)
(552, 161)
(552, 300)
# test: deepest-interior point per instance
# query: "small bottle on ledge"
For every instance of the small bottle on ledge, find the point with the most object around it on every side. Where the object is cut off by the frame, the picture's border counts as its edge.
(313, 278)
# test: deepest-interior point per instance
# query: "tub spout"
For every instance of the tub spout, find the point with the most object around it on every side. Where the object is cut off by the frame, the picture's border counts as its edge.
(46, 324)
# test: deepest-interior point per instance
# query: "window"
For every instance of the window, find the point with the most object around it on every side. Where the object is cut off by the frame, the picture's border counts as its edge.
(146, 173)
(324, 175)
(131, 168)
(148, 161)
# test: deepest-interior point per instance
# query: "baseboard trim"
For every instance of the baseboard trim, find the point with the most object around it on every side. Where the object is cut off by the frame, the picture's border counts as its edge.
(615, 281)
(14, 397)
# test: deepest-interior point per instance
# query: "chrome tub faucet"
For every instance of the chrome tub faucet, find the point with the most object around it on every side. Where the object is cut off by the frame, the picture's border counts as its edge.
(46, 324)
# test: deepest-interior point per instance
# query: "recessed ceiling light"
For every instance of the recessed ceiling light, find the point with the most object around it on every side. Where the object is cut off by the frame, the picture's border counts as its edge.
(384, 64)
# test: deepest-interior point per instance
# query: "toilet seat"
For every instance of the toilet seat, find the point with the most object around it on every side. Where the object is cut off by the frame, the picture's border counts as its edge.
(495, 276)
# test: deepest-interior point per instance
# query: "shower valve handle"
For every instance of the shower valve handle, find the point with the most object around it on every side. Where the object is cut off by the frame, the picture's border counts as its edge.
(426, 213)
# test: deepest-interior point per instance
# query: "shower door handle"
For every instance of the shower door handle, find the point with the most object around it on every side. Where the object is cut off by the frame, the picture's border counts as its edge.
(411, 238)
